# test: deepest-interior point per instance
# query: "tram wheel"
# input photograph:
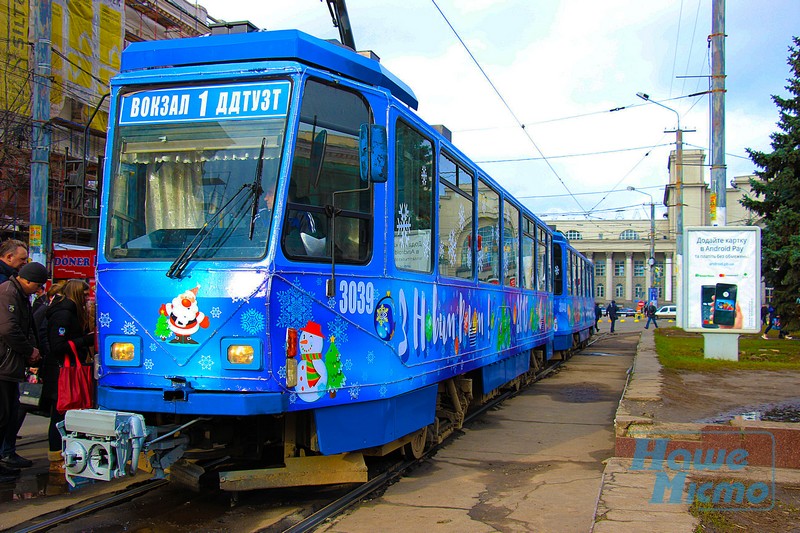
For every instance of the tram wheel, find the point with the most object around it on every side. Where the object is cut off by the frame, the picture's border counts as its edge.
(415, 448)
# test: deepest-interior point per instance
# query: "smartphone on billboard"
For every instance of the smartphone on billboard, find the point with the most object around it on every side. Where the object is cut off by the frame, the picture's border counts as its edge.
(724, 304)
(707, 296)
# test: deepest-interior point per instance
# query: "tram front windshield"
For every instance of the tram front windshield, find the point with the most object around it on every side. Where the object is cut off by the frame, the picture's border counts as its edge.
(185, 185)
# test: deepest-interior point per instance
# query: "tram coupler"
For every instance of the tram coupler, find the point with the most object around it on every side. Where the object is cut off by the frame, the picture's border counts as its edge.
(99, 444)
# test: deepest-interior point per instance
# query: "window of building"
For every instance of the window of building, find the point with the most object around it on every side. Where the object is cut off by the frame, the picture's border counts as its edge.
(413, 235)
(638, 269)
(455, 219)
(573, 235)
(600, 269)
(600, 290)
(638, 291)
(629, 235)
(619, 290)
(619, 268)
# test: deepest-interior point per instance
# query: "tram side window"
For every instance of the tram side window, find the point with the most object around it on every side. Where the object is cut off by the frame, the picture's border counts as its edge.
(528, 254)
(510, 245)
(488, 233)
(570, 272)
(542, 262)
(326, 161)
(455, 220)
(558, 274)
(413, 204)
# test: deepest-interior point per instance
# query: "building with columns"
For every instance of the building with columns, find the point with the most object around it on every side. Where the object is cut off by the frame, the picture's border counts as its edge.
(620, 249)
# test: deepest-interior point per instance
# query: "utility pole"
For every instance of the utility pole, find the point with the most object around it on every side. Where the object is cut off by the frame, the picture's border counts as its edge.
(718, 167)
(40, 151)
(651, 262)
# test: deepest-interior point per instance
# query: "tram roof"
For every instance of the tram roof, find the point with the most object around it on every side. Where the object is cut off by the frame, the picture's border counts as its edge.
(265, 45)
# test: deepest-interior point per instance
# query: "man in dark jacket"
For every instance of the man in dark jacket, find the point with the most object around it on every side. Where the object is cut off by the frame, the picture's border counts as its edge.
(17, 350)
(13, 254)
(611, 312)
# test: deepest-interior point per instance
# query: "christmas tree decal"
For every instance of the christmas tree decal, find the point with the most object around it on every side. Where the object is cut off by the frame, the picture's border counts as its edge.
(333, 362)
(162, 328)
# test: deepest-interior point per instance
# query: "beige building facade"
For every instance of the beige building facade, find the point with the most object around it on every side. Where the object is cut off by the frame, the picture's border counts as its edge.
(620, 249)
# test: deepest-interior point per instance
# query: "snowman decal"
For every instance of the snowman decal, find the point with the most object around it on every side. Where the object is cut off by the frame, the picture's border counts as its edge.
(312, 374)
(184, 318)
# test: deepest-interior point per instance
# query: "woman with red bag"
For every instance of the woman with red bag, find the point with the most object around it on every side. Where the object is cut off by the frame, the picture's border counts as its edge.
(69, 333)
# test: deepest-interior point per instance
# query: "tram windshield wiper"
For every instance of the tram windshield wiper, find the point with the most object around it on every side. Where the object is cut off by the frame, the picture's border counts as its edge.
(179, 265)
(257, 189)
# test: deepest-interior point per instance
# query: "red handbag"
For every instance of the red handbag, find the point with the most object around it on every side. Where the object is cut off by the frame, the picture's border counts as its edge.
(75, 384)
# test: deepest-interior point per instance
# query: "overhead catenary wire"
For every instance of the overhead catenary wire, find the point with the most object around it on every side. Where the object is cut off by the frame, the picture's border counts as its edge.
(508, 107)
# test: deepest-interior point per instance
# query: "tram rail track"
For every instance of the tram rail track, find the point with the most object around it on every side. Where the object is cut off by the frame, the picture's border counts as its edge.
(315, 519)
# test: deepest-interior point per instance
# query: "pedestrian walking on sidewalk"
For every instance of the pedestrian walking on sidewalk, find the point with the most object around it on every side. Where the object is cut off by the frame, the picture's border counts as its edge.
(775, 323)
(598, 314)
(18, 349)
(650, 312)
(611, 312)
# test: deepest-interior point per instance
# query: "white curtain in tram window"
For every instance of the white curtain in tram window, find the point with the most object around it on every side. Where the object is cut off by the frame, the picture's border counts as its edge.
(175, 195)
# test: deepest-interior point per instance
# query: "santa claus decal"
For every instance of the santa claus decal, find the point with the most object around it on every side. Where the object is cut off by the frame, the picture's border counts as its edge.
(183, 317)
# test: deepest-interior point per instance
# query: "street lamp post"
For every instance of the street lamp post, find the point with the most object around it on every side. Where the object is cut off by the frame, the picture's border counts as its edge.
(679, 191)
(652, 260)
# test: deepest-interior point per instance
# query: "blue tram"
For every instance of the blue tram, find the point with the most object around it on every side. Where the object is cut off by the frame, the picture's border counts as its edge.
(295, 270)
(573, 288)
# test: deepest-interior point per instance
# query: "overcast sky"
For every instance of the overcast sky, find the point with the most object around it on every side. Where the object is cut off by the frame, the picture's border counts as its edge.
(561, 66)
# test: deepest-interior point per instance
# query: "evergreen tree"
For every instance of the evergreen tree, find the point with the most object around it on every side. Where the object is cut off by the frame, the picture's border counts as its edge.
(333, 362)
(778, 186)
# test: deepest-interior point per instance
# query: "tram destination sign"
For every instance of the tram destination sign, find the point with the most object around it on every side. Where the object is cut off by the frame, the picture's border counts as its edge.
(213, 102)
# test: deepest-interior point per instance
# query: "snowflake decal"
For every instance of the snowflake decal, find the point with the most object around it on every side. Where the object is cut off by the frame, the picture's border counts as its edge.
(462, 217)
(404, 225)
(355, 390)
(423, 176)
(206, 362)
(556, 270)
(295, 308)
(245, 299)
(382, 391)
(382, 315)
(338, 329)
(105, 320)
(215, 312)
(282, 372)
(319, 282)
(252, 321)
(451, 247)
(348, 364)
(293, 398)
(370, 357)
(148, 364)
(426, 249)
(481, 258)
(129, 328)
(332, 302)
(153, 347)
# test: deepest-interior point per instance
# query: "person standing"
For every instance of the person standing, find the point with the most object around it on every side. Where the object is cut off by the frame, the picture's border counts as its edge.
(68, 326)
(13, 254)
(17, 350)
(598, 314)
(650, 311)
(611, 312)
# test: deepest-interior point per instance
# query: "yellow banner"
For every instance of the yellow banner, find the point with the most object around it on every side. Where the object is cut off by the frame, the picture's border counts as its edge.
(15, 54)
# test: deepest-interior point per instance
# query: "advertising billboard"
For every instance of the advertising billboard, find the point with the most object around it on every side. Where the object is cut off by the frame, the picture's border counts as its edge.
(722, 279)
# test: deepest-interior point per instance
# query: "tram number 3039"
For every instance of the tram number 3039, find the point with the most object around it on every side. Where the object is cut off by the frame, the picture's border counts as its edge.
(357, 297)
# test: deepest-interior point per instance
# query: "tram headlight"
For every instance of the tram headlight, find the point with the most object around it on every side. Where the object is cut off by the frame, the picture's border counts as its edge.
(122, 351)
(239, 354)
